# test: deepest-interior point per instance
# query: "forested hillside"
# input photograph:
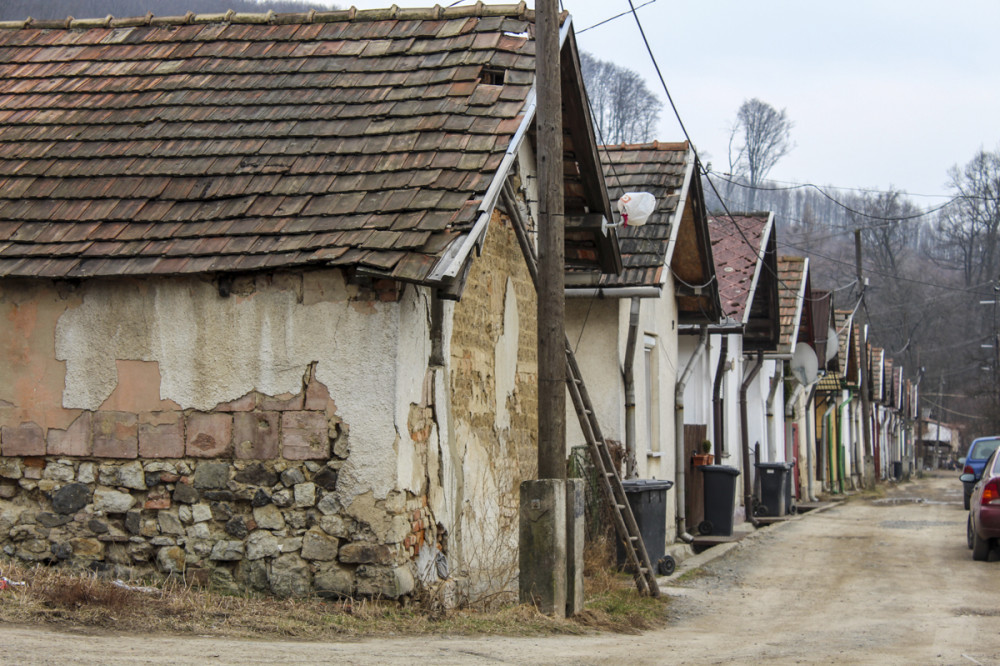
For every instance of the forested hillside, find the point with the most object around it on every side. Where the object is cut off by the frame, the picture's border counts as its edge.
(12, 10)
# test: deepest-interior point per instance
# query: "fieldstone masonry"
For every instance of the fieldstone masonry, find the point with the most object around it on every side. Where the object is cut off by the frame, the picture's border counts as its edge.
(272, 525)
(243, 495)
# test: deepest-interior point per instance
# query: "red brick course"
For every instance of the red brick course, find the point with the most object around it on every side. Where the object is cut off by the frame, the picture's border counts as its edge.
(74, 440)
(209, 435)
(25, 440)
(115, 435)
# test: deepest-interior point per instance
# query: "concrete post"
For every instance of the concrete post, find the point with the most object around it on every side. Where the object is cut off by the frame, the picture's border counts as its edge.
(575, 528)
(542, 556)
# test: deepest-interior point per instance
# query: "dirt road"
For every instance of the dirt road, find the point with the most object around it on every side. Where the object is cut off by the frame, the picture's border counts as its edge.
(887, 582)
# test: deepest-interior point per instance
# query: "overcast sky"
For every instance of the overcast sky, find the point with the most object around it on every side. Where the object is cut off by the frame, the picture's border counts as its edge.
(881, 93)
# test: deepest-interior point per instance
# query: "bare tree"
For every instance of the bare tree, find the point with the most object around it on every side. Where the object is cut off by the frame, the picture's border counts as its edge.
(624, 109)
(968, 230)
(759, 138)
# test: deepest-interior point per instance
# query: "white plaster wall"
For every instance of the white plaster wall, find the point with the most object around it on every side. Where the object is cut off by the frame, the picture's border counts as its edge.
(506, 357)
(733, 455)
(658, 320)
(212, 350)
(593, 327)
(411, 372)
(757, 410)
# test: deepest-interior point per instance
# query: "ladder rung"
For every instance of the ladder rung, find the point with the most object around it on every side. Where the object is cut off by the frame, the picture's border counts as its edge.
(621, 507)
(633, 538)
(643, 570)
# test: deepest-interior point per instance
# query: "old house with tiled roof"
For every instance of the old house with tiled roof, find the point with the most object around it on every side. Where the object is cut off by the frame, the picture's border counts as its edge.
(729, 389)
(625, 327)
(265, 316)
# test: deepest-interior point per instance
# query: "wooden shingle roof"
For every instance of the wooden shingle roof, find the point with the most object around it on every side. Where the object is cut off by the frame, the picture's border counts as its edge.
(240, 141)
(793, 273)
(657, 168)
(673, 239)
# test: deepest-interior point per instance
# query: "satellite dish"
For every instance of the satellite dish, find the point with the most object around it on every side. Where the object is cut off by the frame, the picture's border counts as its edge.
(805, 367)
(832, 344)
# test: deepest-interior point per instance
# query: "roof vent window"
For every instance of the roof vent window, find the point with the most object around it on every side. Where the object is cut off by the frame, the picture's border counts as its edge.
(493, 76)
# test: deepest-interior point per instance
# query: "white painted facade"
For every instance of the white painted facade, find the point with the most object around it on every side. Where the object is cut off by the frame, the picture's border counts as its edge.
(598, 330)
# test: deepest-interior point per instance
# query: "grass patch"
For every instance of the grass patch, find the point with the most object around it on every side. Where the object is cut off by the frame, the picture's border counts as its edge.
(69, 598)
(691, 575)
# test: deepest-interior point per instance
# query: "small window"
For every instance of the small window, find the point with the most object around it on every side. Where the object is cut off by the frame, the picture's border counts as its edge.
(493, 76)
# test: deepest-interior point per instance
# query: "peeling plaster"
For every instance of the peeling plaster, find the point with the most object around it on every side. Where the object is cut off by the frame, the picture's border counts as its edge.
(505, 358)
(210, 350)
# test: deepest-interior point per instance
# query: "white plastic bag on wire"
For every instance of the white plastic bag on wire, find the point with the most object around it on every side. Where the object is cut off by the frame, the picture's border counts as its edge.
(636, 207)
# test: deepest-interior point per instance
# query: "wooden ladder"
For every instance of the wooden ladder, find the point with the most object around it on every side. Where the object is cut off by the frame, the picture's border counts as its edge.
(609, 479)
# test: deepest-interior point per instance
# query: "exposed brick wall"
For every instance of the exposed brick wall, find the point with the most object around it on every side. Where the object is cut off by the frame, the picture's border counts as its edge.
(255, 427)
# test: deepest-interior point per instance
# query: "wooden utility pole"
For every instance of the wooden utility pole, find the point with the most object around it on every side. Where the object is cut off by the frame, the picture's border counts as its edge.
(866, 408)
(551, 251)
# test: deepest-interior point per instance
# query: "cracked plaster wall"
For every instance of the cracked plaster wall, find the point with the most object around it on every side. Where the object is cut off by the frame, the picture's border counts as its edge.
(64, 352)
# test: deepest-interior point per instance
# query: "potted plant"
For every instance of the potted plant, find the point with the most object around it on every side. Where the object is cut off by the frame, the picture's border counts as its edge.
(705, 457)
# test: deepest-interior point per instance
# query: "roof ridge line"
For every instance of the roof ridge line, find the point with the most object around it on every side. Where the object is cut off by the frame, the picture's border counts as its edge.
(437, 12)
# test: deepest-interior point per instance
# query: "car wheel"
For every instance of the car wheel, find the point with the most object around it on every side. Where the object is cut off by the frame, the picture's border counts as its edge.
(969, 532)
(980, 548)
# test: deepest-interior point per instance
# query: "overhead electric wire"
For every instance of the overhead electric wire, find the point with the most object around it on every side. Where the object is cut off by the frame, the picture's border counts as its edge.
(729, 214)
(792, 185)
(687, 136)
(609, 20)
(874, 272)
(837, 202)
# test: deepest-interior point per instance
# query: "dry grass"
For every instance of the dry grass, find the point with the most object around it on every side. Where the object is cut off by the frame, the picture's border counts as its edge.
(67, 598)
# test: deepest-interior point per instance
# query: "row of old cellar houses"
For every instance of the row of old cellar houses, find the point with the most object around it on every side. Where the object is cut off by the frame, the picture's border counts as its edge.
(266, 317)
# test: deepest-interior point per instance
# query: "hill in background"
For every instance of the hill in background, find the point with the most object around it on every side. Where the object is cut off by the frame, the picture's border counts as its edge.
(13, 10)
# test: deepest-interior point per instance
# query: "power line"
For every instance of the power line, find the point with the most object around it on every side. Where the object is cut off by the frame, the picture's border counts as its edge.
(608, 20)
(841, 204)
(687, 135)
(879, 273)
(792, 185)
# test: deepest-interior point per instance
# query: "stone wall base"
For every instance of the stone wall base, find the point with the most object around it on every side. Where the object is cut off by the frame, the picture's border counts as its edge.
(276, 526)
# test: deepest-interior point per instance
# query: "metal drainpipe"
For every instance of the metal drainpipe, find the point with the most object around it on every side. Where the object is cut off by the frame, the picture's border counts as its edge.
(826, 443)
(772, 435)
(680, 461)
(717, 419)
(811, 442)
(745, 439)
(629, 372)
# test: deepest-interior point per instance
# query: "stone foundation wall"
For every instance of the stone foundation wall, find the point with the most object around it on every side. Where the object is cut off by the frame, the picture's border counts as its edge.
(273, 526)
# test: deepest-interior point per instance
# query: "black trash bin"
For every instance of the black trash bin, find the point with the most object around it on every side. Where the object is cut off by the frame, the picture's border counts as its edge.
(720, 497)
(775, 489)
(648, 499)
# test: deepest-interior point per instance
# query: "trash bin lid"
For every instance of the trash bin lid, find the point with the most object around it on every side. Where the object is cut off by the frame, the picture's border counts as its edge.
(720, 469)
(773, 465)
(642, 485)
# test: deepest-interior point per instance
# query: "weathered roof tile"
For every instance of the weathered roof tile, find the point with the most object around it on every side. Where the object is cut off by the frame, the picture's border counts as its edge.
(158, 146)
